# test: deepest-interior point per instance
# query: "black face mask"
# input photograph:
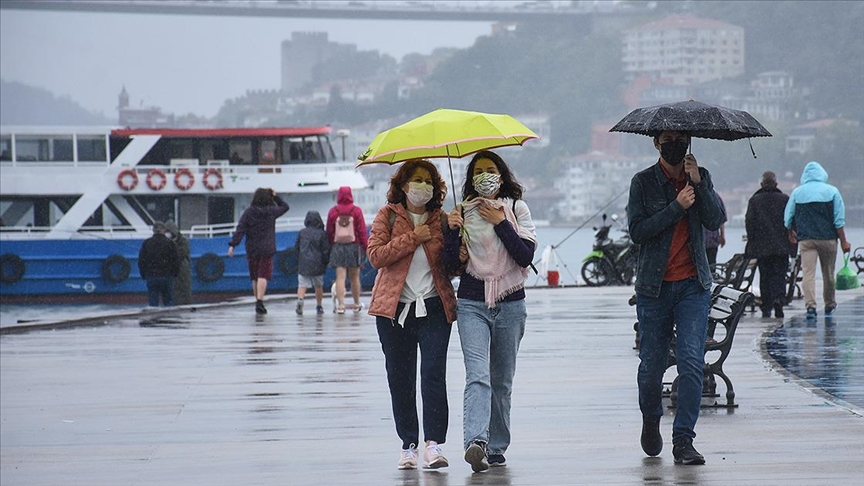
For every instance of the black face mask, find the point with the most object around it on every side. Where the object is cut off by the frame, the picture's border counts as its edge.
(673, 152)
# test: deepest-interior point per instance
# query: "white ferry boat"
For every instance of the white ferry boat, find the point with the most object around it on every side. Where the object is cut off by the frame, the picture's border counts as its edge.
(76, 204)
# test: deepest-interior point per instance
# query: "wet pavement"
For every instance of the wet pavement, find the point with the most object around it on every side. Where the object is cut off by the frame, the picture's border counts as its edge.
(212, 395)
(827, 352)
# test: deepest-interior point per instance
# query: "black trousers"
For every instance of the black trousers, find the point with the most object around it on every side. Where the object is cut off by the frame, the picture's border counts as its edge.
(772, 281)
(431, 334)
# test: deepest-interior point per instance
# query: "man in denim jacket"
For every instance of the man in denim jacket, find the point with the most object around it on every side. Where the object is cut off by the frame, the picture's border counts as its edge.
(670, 203)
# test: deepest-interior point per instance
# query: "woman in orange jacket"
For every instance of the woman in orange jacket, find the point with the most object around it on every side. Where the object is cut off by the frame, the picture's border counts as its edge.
(414, 305)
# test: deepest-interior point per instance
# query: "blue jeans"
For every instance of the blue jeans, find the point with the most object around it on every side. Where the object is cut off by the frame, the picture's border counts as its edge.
(432, 335)
(160, 286)
(490, 340)
(681, 305)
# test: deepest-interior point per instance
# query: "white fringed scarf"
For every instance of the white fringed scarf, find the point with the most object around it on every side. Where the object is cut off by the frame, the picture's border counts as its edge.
(488, 260)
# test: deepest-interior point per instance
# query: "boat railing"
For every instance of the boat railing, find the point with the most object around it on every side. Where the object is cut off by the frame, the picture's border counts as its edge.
(123, 232)
(97, 232)
(222, 166)
(227, 229)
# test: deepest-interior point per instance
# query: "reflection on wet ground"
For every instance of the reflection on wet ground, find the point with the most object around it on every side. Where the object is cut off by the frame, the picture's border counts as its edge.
(220, 396)
(826, 351)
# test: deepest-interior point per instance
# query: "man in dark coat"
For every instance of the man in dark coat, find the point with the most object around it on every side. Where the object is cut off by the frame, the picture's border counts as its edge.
(767, 241)
(158, 264)
(183, 281)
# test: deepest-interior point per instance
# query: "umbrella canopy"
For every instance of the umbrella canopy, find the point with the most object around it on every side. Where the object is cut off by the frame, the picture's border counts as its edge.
(698, 119)
(445, 133)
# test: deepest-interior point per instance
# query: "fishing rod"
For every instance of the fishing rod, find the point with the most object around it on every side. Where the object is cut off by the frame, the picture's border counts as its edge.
(589, 219)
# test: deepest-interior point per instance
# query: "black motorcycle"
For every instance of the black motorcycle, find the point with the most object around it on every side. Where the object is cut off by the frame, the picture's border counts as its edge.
(610, 262)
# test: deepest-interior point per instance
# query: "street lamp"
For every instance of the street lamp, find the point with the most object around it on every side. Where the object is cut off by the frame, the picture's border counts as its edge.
(343, 134)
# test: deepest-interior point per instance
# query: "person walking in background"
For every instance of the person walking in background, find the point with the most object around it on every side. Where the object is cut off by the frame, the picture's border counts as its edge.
(258, 225)
(670, 202)
(346, 230)
(158, 264)
(815, 217)
(768, 243)
(183, 280)
(714, 239)
(491, 235)
(414, 306)
(313, 253)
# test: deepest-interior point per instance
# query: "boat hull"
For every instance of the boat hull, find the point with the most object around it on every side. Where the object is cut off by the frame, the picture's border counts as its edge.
(79, 270)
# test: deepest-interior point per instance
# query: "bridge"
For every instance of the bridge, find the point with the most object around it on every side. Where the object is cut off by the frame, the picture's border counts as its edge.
(539, 11)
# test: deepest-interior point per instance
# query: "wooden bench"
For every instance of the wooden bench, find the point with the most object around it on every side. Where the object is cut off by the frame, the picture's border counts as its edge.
(727, 307)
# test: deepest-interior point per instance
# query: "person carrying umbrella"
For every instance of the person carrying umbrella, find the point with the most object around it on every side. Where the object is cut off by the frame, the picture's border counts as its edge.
(414, 307)
(495, 249)
(670, 204)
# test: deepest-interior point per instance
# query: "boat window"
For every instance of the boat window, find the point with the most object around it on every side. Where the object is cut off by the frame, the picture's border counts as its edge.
(241, 152)
(91, 148)
(312, 150)
(267, 151)
(329, 154)
(41, 149)
(180, 149)
(292, 150)
(6, 148)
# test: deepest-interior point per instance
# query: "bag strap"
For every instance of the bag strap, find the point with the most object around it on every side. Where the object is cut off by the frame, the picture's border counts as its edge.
(530, 264)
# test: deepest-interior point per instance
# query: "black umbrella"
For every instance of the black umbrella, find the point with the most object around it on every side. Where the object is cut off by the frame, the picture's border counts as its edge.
(697, 119)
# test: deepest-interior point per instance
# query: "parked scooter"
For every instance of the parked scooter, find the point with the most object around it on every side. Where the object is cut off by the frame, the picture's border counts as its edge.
(610, 262)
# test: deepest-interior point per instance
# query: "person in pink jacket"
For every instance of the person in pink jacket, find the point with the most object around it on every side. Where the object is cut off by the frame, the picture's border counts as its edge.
(414, 305)
(346, 231)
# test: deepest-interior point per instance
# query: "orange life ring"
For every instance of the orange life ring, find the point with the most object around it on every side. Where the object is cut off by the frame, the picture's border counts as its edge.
(163, 179)
(208, 183)
(178, 179)
(121, 179)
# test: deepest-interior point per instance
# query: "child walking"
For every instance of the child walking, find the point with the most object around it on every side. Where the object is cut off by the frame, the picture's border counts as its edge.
(313, 254)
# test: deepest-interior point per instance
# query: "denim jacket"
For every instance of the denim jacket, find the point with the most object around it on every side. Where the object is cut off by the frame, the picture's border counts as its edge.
(652, 212)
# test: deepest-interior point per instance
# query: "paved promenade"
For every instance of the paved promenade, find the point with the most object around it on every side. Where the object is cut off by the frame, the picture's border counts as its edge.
(216, 396)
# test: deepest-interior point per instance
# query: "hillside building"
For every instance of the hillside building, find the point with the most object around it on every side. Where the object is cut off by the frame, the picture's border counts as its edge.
(684, 50)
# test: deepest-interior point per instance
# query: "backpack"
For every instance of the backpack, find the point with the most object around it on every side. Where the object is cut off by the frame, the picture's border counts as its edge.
(344, 229)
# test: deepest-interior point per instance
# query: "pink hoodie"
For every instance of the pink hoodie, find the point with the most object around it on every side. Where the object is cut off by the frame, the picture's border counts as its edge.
(345, 205)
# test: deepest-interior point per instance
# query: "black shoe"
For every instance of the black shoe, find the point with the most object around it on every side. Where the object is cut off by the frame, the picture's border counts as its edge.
(766, 314)
(778, 311)
(476, 456)
(652, 441)
(497, 460)
(684, 453)
(259, 307)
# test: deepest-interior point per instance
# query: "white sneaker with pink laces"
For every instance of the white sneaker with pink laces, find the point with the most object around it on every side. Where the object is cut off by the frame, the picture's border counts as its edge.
(408, 458)
(433, 458)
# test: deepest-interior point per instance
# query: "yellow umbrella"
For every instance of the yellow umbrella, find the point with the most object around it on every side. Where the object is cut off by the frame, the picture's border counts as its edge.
(445, 133)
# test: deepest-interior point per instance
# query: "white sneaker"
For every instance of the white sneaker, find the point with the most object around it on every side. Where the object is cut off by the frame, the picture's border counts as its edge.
(408, 458)
(434, 458)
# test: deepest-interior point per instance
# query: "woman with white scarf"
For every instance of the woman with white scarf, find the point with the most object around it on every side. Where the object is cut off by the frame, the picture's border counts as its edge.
(491, 238)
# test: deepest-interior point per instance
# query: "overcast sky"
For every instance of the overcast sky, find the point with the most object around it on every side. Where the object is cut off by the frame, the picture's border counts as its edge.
(184, 64)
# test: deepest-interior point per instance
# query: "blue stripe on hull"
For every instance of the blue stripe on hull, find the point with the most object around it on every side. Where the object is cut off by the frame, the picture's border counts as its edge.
(73, 268)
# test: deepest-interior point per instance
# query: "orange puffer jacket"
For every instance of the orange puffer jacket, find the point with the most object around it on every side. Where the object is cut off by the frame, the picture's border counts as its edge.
(391, 250)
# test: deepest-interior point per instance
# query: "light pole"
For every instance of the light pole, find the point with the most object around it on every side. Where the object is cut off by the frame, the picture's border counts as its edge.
(343, 134)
